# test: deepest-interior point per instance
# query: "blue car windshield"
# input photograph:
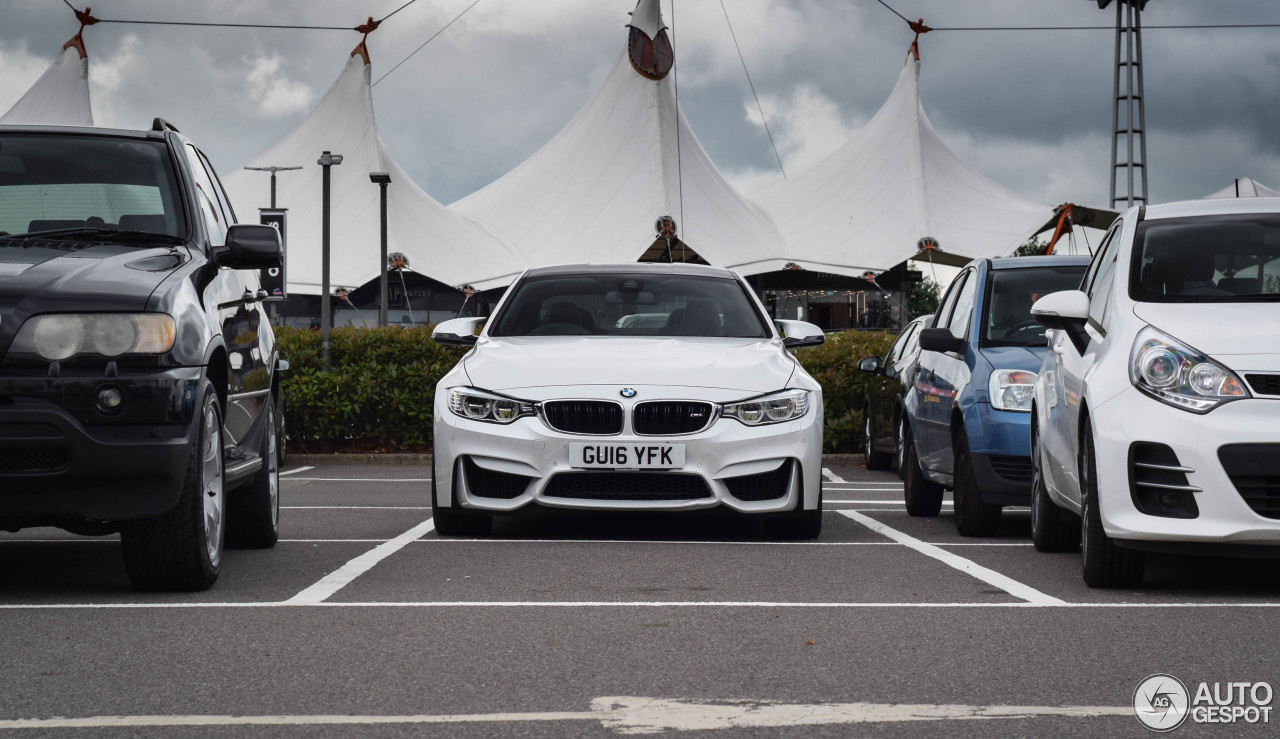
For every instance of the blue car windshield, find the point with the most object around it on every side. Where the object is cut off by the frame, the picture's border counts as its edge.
(1008, 319)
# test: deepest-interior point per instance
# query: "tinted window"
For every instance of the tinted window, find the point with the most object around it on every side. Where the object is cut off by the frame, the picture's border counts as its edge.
(1013, 291)
(601, 304)
(1100, 289)
(215, 220)
(56, 182)
(949, 300)
(1207, 259)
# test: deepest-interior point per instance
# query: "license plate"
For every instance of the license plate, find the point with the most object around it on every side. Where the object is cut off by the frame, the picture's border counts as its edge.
(626, 456)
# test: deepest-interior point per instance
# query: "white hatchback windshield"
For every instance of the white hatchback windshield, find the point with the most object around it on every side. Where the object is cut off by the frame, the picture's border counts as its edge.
(1207, 259)
(629, 304)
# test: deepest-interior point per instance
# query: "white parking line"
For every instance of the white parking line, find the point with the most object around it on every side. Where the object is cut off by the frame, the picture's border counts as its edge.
(885, 502)
(833, 477)
(354, 508)
(991, 577)
(362, 479)
(341, 577)
(296, 470)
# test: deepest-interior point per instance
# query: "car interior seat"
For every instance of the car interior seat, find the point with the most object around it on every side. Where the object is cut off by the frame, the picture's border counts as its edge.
(698, 318)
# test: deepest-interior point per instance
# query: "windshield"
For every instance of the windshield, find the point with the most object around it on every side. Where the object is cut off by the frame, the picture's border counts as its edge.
(629, 304)
(1207, 259)
(1008, 320)
(60, 182)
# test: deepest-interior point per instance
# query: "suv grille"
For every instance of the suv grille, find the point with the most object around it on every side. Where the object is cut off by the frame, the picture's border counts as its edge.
(22, 461)
(627, 486)
(492, 484)
(762, 486)
(598, 417)
(1013, 469)
(670, 417)
(1264, 384)
(1255, 471)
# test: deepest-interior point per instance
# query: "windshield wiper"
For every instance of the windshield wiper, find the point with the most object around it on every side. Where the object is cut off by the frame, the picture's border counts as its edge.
(110, 234)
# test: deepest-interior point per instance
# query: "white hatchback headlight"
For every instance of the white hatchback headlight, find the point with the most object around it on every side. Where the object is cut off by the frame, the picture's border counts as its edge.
(478, 405)
(787, 405)
(1012, 390)
(1174, 373)
(62, 336)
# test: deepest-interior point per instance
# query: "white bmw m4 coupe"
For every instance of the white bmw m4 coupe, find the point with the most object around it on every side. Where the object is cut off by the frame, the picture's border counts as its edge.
(567, 401)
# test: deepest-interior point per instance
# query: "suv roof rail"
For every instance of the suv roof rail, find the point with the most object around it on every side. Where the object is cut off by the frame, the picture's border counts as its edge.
(160, 124)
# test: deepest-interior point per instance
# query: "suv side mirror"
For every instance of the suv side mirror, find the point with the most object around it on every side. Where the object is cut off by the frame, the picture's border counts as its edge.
(941, 340)
(1067, 310)
(457, 331)
(249, 246)
(797, 334)
(870, 364)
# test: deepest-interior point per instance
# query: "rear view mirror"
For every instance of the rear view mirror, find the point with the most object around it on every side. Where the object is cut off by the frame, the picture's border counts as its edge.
(250, 246)
(797, 334)
(1066, 310)
(941, 340)
(870, 364)
(457, 331)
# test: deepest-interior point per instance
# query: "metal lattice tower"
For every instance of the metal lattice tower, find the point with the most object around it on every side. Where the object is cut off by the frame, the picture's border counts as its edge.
(1128, 116)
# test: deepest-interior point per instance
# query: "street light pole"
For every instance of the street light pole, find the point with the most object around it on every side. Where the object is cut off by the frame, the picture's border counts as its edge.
(325, 161)
(382, 179)
(272, 169)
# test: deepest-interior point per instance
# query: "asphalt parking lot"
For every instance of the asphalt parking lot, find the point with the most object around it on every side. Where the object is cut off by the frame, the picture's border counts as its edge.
(364, 620)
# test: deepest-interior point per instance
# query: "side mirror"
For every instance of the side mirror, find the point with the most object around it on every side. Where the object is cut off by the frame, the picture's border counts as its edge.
(457, 332)
(1067, 310)
(797, 334)
(249, 246)
(870, 364)
(941, 340)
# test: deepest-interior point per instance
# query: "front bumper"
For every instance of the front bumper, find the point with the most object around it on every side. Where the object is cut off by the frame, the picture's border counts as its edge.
(1224, 516)
(60, 461)
(727, 449)
(1000, 444)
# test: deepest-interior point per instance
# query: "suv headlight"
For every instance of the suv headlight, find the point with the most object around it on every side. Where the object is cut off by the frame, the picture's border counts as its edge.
(1174, 373)
(62, 336)
(787, 405)
(1011, 390)
(478, 405)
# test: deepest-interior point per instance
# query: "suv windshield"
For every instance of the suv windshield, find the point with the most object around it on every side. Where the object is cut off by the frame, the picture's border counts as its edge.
(1207, 259)
(64, 182)
(1008, 321)
(629, 304)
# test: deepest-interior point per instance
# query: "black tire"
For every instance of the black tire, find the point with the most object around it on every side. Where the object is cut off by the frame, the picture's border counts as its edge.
(923, 496)
(973, 516)
(875, 460)
(177, 550)
(452, 521)
(1105, 563)
(800, 524)
(253, 511)
(899, 445)
(281, 434)
(1053, 529)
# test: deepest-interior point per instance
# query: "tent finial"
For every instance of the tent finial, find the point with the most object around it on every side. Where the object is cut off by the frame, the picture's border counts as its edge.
(919, 27)
(77, 41)
(366, 28)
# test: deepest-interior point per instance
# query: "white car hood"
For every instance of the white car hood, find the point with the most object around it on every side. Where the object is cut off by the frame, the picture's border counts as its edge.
(1218, 329)
(747, 365)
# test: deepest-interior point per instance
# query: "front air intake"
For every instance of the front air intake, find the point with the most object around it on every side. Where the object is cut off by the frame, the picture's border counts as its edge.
(1158, 482)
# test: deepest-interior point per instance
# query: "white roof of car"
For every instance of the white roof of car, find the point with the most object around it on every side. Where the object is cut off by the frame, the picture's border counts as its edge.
(1225, 206)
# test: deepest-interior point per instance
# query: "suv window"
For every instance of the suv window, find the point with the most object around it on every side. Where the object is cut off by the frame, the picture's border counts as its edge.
(215, 220)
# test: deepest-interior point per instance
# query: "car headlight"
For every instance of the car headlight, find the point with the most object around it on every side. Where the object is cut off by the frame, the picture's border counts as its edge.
(1011, 390)
(787, 405)
(63, 336)
(478, 405)
(1174, 373)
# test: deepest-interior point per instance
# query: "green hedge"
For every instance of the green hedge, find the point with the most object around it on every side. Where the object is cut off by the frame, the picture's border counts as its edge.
(380, 392)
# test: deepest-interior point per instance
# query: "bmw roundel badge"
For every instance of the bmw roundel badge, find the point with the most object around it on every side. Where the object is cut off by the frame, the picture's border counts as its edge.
(627, 392)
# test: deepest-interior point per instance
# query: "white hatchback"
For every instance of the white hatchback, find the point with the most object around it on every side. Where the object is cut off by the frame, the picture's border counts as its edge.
(1156, 418)
(562, 402)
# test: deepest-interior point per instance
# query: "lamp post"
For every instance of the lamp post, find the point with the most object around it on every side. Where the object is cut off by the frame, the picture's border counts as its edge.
(273, 169)
(325, 161)
(382, 179)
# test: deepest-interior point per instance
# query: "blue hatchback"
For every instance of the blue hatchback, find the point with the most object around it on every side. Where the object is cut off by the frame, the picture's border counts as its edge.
(968, 413)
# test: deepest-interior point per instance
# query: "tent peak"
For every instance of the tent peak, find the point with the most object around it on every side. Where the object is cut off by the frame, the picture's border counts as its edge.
(648, 47)
(919, 27)
(77, 41)
(366, 28)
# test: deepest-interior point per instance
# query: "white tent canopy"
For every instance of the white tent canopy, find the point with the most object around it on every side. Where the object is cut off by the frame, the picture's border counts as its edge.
(439, 243)
(1245, 187)
(868, 205)
(60, 97)
(629, 157)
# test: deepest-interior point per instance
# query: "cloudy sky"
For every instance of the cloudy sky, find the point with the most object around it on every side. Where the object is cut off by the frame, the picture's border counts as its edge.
(1030, 109)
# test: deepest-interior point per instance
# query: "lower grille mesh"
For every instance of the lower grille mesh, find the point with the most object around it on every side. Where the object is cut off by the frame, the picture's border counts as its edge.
(484, 483)
(1013, 469)
(762, 486)
(1255, 471)
(23, 461)
(627, 486)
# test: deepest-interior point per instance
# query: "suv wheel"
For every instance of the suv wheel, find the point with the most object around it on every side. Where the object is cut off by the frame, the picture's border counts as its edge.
(253, 516)
(1053, 529)
(1106, 564)
(875, 460)
(923, 496)
(973, 516)
(181, 549)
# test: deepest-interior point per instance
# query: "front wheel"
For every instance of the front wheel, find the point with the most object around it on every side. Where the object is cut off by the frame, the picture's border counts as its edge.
(973, 516)
(181, 549)
(875, 460)
(1105, 563)
(452, 521)
(1052, 528)
(799, 525)
(923, 496)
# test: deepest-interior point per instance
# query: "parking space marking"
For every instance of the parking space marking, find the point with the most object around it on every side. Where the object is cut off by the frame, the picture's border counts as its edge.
(884, 502)
(341, 577)
(296, 470)
(991, 577)
(362, 479)
(833, 477)
(354, 508)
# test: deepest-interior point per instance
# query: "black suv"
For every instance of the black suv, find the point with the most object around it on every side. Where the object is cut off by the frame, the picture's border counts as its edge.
(139, 383)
